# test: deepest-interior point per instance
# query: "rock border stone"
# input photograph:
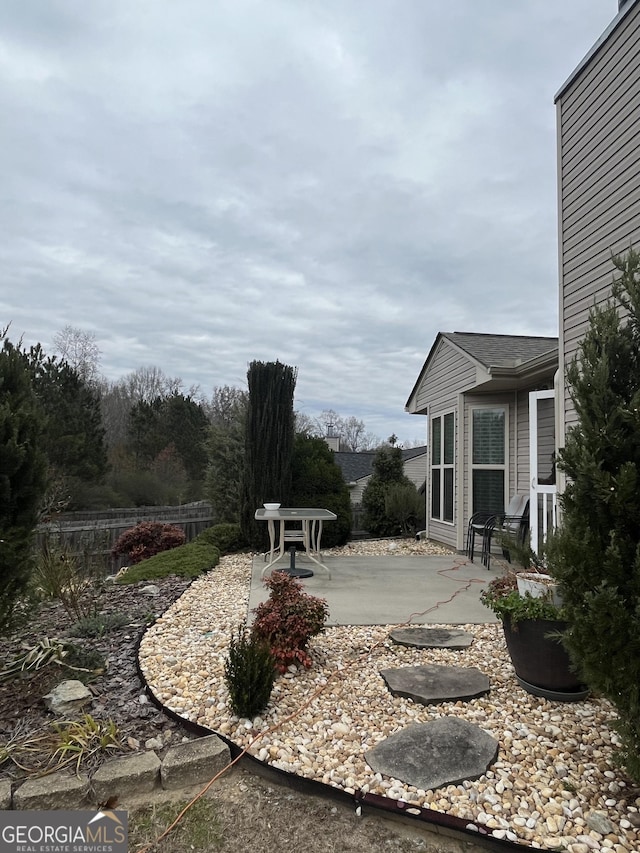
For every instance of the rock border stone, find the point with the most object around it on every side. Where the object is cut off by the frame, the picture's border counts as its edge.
(193, 762)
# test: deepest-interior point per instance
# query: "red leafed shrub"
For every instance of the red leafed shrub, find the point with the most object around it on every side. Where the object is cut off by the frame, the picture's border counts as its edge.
(146, 539)
(288, 620)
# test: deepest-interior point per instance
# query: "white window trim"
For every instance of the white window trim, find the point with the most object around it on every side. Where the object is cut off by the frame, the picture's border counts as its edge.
(503, 407)
(442, 466)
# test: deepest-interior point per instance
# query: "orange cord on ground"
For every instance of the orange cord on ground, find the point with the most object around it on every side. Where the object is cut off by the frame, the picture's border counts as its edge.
(332, 676)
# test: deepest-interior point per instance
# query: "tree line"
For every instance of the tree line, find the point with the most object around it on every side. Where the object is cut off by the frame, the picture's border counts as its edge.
(145, 439)
(70, 441)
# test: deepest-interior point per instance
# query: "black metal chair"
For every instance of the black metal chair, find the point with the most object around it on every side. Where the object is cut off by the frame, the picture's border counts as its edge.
(513, 527)
(484, 523)
(476, 528)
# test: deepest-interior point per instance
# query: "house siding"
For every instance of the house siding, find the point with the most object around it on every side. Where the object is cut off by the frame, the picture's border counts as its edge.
(450, 373)
(416, 470)
(599, 179)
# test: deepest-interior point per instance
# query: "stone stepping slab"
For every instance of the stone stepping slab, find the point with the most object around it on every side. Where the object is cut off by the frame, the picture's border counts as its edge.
(432, 684)
(431, 755)
(432, 638)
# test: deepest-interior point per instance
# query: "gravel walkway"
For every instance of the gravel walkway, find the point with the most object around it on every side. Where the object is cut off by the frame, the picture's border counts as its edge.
(554, 784)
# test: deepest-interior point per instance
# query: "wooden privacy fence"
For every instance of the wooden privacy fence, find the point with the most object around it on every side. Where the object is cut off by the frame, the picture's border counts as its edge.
(95, 533)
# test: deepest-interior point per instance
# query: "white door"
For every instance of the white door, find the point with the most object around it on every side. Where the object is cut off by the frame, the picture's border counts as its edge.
(543, 497)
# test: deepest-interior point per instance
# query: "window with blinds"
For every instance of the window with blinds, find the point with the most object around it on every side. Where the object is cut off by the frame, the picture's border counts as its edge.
(488, 458)
(442, 467)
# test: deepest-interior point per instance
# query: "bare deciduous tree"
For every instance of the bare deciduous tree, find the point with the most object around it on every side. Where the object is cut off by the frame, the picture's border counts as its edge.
(79, 349)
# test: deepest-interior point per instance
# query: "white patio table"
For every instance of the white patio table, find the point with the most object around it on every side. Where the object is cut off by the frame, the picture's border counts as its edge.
(308, 529)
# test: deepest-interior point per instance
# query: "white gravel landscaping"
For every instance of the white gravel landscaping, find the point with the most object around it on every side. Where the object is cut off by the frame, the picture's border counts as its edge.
(554, 785)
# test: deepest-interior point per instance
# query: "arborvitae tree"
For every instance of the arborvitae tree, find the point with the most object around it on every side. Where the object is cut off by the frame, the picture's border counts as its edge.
(268, 442)
(318, 482)
(596, 552)
(22, 475)
(388, 469)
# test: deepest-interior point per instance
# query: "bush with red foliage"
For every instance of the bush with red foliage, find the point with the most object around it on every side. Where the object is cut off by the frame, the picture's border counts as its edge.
(147, 539)
(288, 620)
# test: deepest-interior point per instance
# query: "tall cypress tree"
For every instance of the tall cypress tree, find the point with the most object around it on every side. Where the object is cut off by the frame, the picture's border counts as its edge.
(22, 475)
(596, 552)
(268, 442)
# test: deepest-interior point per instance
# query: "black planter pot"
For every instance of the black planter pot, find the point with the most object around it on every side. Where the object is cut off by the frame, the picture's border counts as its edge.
(542, 663)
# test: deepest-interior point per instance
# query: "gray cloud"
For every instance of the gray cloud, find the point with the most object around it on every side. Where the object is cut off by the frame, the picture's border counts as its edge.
(329, 184)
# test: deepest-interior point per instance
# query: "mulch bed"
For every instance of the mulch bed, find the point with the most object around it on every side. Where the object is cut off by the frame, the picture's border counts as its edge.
(118, 693)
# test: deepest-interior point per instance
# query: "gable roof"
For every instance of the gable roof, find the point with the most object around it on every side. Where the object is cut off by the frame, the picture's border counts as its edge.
(358, 465)
(510, 358)
(501, 350)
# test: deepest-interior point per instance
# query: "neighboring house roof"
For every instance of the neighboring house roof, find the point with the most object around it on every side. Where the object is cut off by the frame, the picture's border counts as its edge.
(500, 360)
(354, 466)
(359, 465)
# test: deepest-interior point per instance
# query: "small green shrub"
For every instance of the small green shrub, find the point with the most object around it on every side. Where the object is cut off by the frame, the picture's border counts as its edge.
(85, 664)
(186, 561)
(288, 620)
(147, 539)
(98, 624)
(404, 507)
(249, 672)
(227, 538)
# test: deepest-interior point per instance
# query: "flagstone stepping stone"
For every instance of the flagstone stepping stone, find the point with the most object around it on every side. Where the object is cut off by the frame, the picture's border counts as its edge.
(432, 638)
(432, 684)
(430, 755)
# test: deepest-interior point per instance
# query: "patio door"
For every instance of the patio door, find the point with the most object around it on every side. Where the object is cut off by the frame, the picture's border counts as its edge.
(543, 505)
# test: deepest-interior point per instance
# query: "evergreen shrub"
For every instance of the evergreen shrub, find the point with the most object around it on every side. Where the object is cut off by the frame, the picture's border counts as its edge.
(186, 561)
(595, 554)
(388, 475)
(249, 672)
(226, 537)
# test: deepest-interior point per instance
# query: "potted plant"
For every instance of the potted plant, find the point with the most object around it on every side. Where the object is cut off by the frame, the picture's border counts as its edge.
(533, 628)
(535, 578)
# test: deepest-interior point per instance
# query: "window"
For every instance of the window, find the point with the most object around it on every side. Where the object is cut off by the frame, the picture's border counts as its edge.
(442, 467)
(488, 458)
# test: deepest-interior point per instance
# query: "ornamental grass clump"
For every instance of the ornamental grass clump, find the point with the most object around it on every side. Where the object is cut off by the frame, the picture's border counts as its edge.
(249, 672)
(288, 620)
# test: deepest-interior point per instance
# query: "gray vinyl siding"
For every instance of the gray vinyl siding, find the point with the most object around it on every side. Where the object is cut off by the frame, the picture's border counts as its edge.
(521, 478)
(449, 374)
(416, 470)
(599, 178)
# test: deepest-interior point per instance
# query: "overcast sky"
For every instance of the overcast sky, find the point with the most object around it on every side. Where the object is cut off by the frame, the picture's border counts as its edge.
(324, 182)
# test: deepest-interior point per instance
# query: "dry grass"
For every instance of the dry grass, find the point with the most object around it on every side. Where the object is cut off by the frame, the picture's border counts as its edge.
(246, 814)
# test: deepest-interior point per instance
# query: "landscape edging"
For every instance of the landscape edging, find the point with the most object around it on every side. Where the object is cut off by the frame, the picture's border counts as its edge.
(186, 764)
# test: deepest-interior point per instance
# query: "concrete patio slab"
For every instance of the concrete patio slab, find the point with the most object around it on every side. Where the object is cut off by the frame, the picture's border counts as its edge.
(392, 590)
